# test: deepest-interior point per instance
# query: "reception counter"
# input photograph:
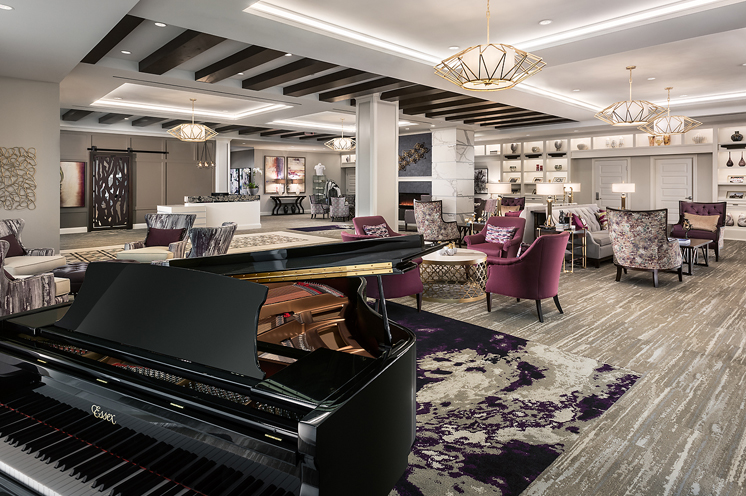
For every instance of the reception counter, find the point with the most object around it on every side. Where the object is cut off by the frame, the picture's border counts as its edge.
(243, 212)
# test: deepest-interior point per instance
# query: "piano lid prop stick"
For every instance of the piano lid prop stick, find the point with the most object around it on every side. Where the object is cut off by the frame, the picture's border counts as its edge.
(384, 313)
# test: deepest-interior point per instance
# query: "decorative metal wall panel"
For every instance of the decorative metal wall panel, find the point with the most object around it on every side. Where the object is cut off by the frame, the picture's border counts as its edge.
(17, 183)
(111, 202)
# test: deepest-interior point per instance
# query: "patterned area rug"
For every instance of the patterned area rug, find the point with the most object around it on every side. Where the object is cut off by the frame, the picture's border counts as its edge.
(323, 228)
(493, 410)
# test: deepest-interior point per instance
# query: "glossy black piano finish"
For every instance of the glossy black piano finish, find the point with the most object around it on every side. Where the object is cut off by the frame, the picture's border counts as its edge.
(329, 423)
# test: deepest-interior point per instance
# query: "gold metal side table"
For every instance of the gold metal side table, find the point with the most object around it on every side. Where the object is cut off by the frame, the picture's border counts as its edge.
(576, 247)
(458, 278)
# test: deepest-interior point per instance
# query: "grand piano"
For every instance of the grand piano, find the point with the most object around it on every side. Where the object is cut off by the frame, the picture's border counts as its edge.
(262, 373)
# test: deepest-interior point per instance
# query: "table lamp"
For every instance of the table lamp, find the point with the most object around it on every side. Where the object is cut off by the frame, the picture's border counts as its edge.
(623, 188)
(550, 190)
(570, 189)
(498, 189)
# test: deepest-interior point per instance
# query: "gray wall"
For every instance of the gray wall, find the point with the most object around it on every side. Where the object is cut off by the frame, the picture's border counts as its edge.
(30, 113)
(242, 159)
(158, 179)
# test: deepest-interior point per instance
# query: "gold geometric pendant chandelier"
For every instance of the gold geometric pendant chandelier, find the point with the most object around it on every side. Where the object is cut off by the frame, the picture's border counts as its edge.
(631, 112)
(195, 133)
(670, 124)
(341, 144)
(489, 67)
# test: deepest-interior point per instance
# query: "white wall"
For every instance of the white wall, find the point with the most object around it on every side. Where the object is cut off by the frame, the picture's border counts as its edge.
(30, 113)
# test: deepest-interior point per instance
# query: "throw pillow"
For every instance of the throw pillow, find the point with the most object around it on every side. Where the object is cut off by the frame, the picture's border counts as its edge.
(497, 234)
(379, 231)
(516, 213)
(579, 222)
(163, 237)
(15, 249)
(703, 222)
(603, 220)
(509, 208)
(9, 276)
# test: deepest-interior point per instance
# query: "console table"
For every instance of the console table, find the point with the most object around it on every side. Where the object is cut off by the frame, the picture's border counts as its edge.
(291, 204)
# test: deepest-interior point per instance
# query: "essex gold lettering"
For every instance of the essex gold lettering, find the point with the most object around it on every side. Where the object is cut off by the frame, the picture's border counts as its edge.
(100, 414)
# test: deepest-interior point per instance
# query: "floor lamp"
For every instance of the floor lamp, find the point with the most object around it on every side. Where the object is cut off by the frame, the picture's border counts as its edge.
(498, 189)
(571, 189)
(623, 188)
(550, 190)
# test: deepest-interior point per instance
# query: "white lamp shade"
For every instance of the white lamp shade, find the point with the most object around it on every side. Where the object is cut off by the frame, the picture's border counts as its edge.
(623, 187)
(550, 188)
(574, 187)
(499, 188)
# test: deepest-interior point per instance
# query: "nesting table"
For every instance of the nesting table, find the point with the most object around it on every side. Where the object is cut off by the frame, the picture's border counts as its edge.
(458, 278)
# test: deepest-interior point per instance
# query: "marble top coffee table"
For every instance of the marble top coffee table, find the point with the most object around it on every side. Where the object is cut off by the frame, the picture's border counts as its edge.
(457, 278)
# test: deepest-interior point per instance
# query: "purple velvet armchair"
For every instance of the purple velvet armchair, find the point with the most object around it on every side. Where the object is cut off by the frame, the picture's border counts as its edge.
(706, 209)
(394, 286)
(498, 250)
(532, 276)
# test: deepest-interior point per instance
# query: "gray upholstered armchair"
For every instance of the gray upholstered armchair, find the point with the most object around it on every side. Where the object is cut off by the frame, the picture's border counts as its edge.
(25, 261)
(209, 241)
(27, 293)
(153, 248)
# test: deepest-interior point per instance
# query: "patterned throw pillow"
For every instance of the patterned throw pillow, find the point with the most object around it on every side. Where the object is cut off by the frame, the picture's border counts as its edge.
(602, 219)
(496, 234)
(509, 208)
(579, 222)
(379, 231)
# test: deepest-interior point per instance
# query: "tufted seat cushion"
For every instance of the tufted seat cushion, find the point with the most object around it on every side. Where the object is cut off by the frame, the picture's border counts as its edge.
(32, 265)
(148, 254)
(602, 238)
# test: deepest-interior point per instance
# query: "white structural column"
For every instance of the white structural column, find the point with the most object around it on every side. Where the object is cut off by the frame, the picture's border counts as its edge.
(376, 188)
(453, 171)
(222, 164)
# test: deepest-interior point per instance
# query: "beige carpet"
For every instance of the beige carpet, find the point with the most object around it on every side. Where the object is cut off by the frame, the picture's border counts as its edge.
(681, 430)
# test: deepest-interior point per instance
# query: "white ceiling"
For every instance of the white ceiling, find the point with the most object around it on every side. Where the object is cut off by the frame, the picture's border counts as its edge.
(700, 51)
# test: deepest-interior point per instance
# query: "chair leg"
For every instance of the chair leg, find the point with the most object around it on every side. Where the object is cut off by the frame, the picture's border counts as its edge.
(538, 309)
(655, 277)
(518, 300)
(618, 273)
(556, 302)
(489, 302)
(376, 305)
(419, 302)
(717, 252)
(681, 272)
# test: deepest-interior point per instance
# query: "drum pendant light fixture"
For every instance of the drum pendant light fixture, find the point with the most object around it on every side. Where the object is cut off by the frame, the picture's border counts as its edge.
(341, 144)
(489, 67)
(670, 124)
(195, 133)
(631, 112)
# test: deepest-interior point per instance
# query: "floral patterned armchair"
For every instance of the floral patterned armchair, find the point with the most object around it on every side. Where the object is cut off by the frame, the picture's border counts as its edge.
(430, 223)
(640, 242)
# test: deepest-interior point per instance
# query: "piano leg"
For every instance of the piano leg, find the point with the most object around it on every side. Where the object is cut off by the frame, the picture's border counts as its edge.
(384, 313)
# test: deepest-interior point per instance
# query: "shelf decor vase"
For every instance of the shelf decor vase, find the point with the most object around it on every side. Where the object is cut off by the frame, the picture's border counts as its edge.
(558, 167)
(666, 139)
(651, 140)
(558, 145)
(729, 163)
(742, 162)
(514, 147)
(736, 137)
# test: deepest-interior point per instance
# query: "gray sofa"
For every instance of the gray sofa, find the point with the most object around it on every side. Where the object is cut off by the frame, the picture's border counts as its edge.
(598, 243)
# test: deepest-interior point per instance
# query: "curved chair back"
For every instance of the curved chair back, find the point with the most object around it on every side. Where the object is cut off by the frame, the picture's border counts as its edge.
(640, 241)
(373, 220)
(171, 221)
(338, 208)
(512, 202)
(702, 208)
(209, 241)
(430, 223)
(490, 207)
(518, 222)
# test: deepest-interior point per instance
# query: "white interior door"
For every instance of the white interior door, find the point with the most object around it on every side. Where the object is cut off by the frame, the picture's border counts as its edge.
(606, 173)
(673, 182)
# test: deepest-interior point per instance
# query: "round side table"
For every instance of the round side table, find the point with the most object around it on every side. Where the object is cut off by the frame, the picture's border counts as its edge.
(458, 278)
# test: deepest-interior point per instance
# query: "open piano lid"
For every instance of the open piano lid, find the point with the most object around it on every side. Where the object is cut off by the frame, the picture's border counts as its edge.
(171, 315)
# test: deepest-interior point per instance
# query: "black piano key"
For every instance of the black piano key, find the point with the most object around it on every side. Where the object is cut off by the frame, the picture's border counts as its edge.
(48, 440)
(94, 467)
(21, 437)
(73, 459)
(49, 454)
(133, 446)
(269, 491)
(197, 472)
(226, 484)
(252, 488)
(152, 454)
(16, 426)
(170, 491)
(214, 479)
(137, 485)
(176, 464)
(114, 477)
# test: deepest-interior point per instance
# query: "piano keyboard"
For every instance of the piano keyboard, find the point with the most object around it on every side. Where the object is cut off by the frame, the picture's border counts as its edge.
(59, 450)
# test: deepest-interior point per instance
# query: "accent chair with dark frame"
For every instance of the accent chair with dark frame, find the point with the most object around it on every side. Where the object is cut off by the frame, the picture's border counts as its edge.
(430, 222)
(716, 237)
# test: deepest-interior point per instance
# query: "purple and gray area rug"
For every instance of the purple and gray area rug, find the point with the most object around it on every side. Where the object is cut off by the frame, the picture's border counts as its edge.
(493, 410)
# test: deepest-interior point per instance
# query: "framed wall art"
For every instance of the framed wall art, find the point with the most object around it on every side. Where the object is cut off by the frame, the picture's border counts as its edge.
(480, 180)
(539, 179)
(72, 184)
(296, 175)
(736, 179)
(558, 179)
(735, 195)
(274, 175)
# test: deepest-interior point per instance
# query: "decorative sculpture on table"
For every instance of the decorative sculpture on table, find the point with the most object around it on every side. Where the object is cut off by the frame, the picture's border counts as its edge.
(17, 183)
(687, 226)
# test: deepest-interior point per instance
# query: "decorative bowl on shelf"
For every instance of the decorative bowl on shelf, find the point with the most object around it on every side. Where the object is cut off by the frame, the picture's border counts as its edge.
(557, 166)
(536, 149)
(699, 139)
(513, 168)
(737, 136)
(582, 146)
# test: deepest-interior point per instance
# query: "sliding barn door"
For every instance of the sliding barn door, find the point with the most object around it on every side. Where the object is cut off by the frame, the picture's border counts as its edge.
(111, 201)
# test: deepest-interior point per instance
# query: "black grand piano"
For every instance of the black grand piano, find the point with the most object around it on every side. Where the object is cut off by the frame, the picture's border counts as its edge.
(262, 373)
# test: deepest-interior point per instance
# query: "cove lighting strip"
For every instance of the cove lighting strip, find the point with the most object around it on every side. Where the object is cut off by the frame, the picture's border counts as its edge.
(327, 127)
(556, 96)
(187, 111)
(707, 98)
(338, 31)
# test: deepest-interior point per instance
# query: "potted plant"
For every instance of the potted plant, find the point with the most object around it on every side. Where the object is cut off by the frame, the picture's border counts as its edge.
(253, 187)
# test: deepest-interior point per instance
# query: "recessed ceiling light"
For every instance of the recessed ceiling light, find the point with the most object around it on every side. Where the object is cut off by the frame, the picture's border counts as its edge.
(743, 64)
(117, 98)
(651, 79)
(682, 96)
(126, 118)
(432, 125)
(454, 47)
(406, 129)
(160, 24)
(545, 22)
(288, 54)
(126, 52)
(5, 7)
(576, 89)
(240, 73)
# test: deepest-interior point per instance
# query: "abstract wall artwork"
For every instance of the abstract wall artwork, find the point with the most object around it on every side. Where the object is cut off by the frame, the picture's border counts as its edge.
(274, 175)
(415, 155)
(235, 181)
(245, 180)
(72, 184)
(296, 180)
(480, 181)
(17, 183)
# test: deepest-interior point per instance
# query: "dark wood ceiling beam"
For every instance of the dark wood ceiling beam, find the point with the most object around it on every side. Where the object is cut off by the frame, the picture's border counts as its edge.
(409, 92)
(507, 116)
(112, 118)
(474, 107)
(174, 123)
(538, 115)
(367, 88)
(229, 128)
(444, 96)
(252, 130)
(293, 134)
(112, 39)
(184, 47)
(285, 74)
(332, 81)
(273, 132)
(487, 113)
(246, 59)
(442, 105)
(147, 121)
(316, 136)
(73, 115)
(537, 122)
